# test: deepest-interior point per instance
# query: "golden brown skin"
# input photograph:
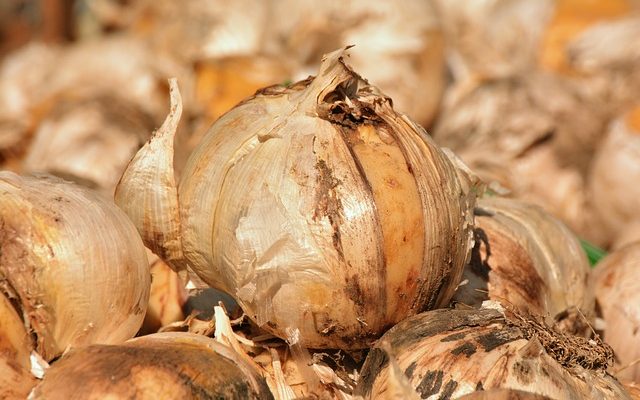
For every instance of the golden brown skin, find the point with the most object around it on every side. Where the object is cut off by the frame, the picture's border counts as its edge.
(617, 288)
(450, 353)
(153, 367)
(15, 346)
(503, 394)
(72, 261)
(525, 258)
(348, 219)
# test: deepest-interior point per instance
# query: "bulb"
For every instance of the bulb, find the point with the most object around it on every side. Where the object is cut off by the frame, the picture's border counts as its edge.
(317, 206)
(158, 366)
(529, 260)
(615, 165)
(450, 353)
(616, 289)
(72, 261)
(537, 131)
(398, 45)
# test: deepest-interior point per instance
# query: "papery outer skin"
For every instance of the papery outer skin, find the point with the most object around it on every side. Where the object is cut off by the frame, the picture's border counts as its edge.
(285, 210)
(154, 211)
(89, 140)
(223, 83)
(571, 19)
(200, 29)
(399, 46)
(615, 166)
(488, 39)
(120, 65)
(158, 366)
(272, 247)
(503, 394)
(529, 260)
(450, 353)
(74, 260)
(167, 297)
(607, 45)
(617, 288)
(535, 134)
(15, 348)
(21, 77)
(606, 59)
(630, 234)
(599, 52)
(633, 389)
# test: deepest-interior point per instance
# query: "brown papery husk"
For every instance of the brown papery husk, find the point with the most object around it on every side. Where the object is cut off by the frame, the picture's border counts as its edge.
(72, 262)
(630, 234)
(633, 389)
(221, 83)
(516, 114)
(617, 289)
(163, 365)
(613, 199)
(449, 353)
(88, 140)
(15, 348)
(503, 394)
(167, 297)
(322, 235)
(535, 130)
(606, 61)
(490, 39)
(22, 73)
(118, 65)
(570, 19)
(323, 375)
(528, 259)
(117, 71)
(399, 46)
(196, 30)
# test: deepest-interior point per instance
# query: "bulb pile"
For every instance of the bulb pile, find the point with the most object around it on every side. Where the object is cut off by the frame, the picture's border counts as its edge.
(343, 200)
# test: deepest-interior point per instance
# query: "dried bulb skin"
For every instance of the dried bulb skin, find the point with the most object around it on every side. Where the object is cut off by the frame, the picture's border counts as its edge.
(167, 297)
(529, 260)
(450, 353)
(593, 43)
(614, 200)
(399, 46)
(607, 46)
(15, 347)
(503, 394)
(154, 211)
(533, 133)
(515, 115)
(159, 366)
(630, 234)
(89, 140)
(322, 236)
(73, 262)
(347, 219)
(21, 75)
(198, 29)
(492, 38)
(570, 19)
(223, 83)
(617, 288)
(633, 389)
(606, 59)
